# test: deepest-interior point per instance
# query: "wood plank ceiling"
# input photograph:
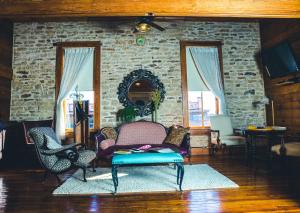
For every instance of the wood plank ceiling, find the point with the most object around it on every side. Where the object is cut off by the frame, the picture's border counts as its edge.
(178, 8)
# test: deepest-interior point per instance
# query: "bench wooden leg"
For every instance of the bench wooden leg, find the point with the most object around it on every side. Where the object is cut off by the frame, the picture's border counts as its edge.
(180, 174)
(114, 173)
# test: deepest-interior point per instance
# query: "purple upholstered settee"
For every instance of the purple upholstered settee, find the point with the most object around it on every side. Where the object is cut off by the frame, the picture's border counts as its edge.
(137, 134)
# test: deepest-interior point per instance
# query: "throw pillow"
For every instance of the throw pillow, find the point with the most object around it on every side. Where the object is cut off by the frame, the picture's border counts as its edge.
(107, 143)
(52, 143)
(176, 135)
(109, 133)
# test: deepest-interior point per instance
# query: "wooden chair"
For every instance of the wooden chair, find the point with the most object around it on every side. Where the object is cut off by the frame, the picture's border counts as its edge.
(227, 136)
(60, 159)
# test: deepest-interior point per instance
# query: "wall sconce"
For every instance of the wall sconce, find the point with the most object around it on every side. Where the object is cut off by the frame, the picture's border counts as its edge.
(259, 103)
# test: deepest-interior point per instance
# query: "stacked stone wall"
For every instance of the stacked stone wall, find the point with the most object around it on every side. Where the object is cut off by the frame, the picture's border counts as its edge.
(33, 86)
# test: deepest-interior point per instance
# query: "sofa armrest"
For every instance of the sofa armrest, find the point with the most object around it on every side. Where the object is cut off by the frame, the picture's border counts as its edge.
(99, 137)
(56, 151)
(186, 144)
(105, 144)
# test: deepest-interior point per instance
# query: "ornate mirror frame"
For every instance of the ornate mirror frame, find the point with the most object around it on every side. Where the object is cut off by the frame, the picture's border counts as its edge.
(140, 74)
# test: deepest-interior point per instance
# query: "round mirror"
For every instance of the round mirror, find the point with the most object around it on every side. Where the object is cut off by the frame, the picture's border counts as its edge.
(140, 92)
(136, 88)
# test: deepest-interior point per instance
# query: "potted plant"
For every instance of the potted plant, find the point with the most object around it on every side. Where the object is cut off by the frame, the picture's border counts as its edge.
(127, 114)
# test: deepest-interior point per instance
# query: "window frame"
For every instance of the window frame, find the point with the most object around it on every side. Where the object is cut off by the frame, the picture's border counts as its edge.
(184, 85)
(96, 75)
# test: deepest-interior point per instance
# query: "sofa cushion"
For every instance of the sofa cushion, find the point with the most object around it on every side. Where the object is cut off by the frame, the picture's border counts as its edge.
(141, 132)
(107, 143)
(176, 135)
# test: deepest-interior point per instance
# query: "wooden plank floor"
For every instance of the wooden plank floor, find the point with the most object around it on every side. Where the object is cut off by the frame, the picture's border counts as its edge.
(22, 191)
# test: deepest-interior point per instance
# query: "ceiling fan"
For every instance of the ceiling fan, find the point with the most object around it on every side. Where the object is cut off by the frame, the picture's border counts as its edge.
(145, 23)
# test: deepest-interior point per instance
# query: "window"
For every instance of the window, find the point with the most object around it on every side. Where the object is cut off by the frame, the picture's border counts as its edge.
(198, 101)
(88, 87)
(68, 109)
(201, 104)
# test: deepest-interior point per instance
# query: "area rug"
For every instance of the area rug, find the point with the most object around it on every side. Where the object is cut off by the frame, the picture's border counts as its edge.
(144, 179)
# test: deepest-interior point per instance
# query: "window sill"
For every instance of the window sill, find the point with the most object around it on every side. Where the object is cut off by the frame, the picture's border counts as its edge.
(200, 130)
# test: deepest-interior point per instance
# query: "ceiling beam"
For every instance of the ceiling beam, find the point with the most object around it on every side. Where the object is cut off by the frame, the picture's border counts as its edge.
(174, 8)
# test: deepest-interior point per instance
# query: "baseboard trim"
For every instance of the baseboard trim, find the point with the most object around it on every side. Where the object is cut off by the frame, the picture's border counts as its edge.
(200, 151)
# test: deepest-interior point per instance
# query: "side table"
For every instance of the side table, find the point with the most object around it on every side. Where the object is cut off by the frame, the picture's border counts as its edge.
(251, 141)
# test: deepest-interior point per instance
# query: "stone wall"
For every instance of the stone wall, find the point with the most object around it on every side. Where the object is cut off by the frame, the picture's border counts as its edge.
(33, 87)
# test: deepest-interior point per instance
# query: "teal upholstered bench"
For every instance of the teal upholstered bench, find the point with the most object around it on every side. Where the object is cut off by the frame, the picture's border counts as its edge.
(147, 158)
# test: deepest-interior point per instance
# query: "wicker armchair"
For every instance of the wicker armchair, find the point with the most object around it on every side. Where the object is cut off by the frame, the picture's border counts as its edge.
(56, 160)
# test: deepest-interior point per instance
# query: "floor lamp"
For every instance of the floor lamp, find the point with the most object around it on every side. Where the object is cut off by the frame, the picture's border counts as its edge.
(273, 113)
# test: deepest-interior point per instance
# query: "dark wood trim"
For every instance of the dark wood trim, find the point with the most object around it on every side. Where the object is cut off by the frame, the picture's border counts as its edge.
(217, 105)
(5, 72)
(221, 62)
(96, 73)
(59, 69)
(96, 86)
(184, 86)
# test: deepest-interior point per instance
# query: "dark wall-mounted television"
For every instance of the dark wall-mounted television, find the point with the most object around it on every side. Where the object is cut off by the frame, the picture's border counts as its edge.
(280, 60)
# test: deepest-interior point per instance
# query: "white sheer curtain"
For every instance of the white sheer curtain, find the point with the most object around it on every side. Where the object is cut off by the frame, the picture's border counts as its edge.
(74, 61)
(207, 62)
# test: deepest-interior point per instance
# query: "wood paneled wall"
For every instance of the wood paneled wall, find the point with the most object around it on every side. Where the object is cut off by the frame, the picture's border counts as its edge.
(286, 97)
(6, 43)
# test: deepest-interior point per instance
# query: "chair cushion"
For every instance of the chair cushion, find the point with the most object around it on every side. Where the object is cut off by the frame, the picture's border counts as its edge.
(147, 158)
(176, 135)
(61, 165)
(109, 133)
(232, 140)
(141, 132)
(221, 123)
(85, 157)
(52, 143)
(107, 143)
(292, 149)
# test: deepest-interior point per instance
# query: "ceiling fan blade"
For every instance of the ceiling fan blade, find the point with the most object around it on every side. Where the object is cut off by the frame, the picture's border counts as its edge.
(156, 26)
(134, 30)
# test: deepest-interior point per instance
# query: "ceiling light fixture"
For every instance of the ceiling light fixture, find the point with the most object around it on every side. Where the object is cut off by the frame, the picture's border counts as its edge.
(143, 27)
